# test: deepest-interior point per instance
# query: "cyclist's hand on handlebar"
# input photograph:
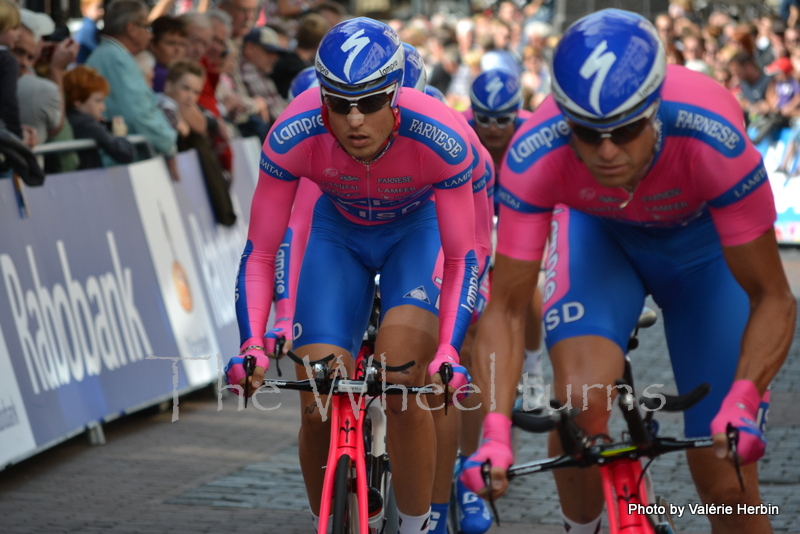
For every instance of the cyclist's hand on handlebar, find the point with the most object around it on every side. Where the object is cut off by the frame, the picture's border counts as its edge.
(739, 409)
(281, 330)
(235, 370)
(460, 378)
(496, 448)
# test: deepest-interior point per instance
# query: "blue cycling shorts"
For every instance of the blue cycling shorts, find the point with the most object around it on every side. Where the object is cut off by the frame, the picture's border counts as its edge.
(337, 280)
(599, 271)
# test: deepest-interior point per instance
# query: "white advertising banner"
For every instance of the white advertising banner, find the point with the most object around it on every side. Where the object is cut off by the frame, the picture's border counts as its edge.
(176, 271)
(16, 434)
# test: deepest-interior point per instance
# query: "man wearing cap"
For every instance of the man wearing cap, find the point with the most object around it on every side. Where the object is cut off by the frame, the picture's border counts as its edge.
(40, 102)
(261, 50)
(127, 32)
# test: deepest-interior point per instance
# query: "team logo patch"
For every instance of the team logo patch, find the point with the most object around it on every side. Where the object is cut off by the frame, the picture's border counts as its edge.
(330, 172)
(419, 294)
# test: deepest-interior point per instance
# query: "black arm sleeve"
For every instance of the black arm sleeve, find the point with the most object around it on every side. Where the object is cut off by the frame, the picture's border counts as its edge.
(119, 148)
(9, 107)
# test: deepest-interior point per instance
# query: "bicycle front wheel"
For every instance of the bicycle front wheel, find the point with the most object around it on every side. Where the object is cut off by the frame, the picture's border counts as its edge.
(341, 496)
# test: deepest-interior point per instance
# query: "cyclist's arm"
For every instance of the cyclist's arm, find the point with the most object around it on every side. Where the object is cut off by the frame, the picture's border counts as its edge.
(758, 269)
(456, 218)
(501, 331)
(483, 213)
(293, 250)
(269, 218)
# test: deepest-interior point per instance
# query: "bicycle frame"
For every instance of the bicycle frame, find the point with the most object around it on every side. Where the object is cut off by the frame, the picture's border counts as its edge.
(618, 480)
(348, 413)
(347, 437)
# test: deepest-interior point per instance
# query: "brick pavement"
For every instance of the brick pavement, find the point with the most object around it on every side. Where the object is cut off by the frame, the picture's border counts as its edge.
(220, 471)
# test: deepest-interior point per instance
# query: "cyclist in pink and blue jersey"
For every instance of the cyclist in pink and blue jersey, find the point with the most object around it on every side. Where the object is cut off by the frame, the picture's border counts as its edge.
(664, 195)
(447, 425)
(380, 155)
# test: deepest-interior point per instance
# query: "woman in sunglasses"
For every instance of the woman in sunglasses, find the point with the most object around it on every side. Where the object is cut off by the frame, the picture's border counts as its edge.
(659, 192)
(380, 155)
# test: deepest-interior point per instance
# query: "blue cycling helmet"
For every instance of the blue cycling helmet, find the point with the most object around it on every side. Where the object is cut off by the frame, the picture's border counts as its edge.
(496, 92)
(358, 56)
(305, 79)
(435, 93)
(608, 69)
(414, 75)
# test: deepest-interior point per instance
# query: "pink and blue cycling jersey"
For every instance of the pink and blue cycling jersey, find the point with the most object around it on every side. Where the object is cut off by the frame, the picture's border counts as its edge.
(429, 157)
(290, 255)
(702, 162)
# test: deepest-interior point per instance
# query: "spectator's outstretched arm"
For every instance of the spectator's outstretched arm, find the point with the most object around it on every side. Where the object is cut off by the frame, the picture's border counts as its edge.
(161, 8)
(119, 148)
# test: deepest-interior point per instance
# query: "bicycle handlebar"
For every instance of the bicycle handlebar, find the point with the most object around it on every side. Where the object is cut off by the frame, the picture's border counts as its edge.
(604, 453)
(344, 386)
(676, 403)
(545, 422)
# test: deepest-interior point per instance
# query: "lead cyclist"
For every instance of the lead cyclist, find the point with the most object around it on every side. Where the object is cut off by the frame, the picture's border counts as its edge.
(664, 195)
(380, 155)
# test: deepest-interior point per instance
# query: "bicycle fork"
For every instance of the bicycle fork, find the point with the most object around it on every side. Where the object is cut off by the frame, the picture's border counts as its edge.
(347, 437)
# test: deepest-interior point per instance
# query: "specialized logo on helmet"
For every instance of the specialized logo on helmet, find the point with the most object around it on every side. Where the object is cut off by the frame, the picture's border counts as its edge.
(598, 64)
(494, 87)
(354, 44)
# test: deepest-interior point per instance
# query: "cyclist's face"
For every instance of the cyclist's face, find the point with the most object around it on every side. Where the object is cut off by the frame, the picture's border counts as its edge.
(493, 137)
(362, 134)
(615, 165)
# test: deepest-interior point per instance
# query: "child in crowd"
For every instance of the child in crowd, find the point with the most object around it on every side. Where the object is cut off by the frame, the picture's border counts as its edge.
(182, 89)
(168, 46)
(92, 11)
(85, 92)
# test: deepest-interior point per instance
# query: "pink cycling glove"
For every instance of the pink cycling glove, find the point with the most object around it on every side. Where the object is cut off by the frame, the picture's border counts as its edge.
(739, 408)
(446, 353)
(281, 329)
(496, 448)
(235, 372)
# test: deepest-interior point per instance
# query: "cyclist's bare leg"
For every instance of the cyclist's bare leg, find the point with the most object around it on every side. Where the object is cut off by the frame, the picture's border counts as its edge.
(718, 484)
(410, 333)
(533, 322)
(584, 361)
(471, 417)
(447, 436)
(314, 437)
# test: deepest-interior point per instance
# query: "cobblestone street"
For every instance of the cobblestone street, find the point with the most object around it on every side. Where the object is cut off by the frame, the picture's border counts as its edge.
(225, 470)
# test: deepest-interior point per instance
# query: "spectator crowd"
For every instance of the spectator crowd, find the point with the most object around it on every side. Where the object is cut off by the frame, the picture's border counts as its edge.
(191, 74)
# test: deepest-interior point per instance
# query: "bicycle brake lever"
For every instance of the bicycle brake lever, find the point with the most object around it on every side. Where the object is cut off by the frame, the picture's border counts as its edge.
(279, 343)
(249, 367)
(732, 433)
(486, 474)
(446, 372)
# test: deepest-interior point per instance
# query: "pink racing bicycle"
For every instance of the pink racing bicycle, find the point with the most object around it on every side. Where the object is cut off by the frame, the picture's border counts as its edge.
(632, 506)
(357, 486)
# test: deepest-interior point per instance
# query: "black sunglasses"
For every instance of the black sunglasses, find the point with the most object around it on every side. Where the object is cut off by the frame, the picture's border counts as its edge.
(501, 122)
(366, 104)
(619, 136)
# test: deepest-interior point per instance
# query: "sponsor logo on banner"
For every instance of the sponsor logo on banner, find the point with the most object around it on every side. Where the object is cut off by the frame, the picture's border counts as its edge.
(75, 329)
